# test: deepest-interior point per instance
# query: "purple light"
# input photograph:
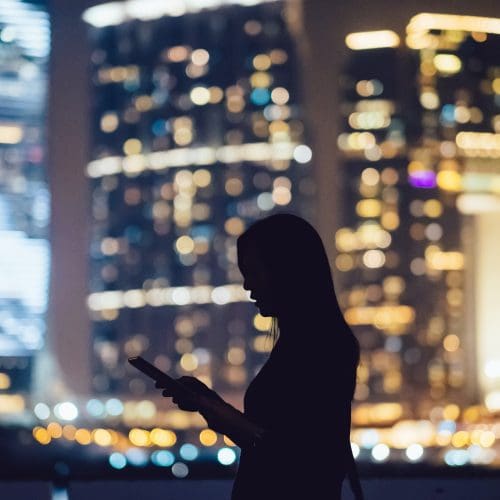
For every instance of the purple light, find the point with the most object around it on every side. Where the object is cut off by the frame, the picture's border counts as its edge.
(422, 179)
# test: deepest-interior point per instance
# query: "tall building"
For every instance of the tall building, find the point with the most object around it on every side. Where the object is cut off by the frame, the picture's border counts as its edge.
(372, 246)
(458, 86)
(419, 142)
(24, 194)
(197, 132)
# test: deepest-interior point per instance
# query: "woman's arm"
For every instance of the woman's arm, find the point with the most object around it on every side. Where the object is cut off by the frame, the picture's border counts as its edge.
(220, 416)
(224, 418)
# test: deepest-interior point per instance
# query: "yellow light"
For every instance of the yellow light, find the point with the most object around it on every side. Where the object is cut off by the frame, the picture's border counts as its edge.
(200, 57)
(41, 435)
(447, 63)
(262, 323)
(184, 245)
(69, 432)
(344, 262)
(449, 180)
(487, 439)
(202, 177)
(280, 96)
(178, 53)
(208, 437)
(163, 437)
(102, 437)
(369, 120)
(234, 226)
(236, 355)
(55, 430)
(369, 208)
(451, 412)
(139, 437)
(143, 103)
(484, 143)
(166, 437)
(228, 441)
(370, 176)
(200, 95)
(443, 438)
(11, 134)
(183, 136)
(472, 414)
(460, 439)
(451, 343)
(109, 122)
(479, 37)
(281, 195)
(216, 95)
(372, 40)
(189, 362)
(390, 220)
(433, 208)
(262, 343)
(83, 436)
(261, 62)
(4, 381)
(278, 56)
(260, 79)
(429, 99)
(425, 22)
(379, 315)
(132, 146)
(445, 261)
(234, 186)
(495, 85)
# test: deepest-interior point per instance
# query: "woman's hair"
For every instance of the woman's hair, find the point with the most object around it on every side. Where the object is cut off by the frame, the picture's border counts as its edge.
(293, 254)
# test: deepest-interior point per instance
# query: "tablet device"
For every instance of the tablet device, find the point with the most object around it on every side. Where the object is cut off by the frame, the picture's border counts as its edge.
(157, 375)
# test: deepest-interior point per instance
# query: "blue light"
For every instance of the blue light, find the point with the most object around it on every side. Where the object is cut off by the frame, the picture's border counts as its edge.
(456, 457)
(226, 456)
(189, 452)
(447, 425)
(260, 96)
(180, 470)
(163, 458)
(114, 407)
(117, 460)
(95, 408)
(448, 114)
(137, 457)
(133, 234)
(159, 128)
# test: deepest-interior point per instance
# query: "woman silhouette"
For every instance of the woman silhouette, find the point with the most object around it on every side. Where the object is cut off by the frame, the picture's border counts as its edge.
(294, 432)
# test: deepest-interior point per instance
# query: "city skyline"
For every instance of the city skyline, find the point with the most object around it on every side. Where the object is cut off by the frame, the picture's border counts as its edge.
(417, 153)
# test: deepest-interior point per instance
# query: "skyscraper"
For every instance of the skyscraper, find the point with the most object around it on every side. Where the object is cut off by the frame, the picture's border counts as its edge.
(458, 92)
(197, 132)
(24, 193)
(418, 147)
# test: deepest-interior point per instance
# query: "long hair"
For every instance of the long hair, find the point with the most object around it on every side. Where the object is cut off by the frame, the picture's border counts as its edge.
(293, 252)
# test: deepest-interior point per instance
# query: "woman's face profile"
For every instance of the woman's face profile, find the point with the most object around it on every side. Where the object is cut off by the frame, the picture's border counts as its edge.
(257, 280)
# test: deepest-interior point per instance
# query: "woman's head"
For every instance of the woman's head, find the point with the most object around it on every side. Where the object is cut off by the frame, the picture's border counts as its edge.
(284, 265)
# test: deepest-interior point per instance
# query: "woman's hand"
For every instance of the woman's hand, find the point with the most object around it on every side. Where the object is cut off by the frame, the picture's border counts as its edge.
(196, 396)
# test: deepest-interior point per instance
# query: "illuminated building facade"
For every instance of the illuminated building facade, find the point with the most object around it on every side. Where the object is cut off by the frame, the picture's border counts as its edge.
(459, 89)
(372, 247)
(24, 192)
(197, 132)
(420, 139)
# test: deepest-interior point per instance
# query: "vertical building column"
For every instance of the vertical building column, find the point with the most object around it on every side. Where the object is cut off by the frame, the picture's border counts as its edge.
(487, 281)
(68, 332)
